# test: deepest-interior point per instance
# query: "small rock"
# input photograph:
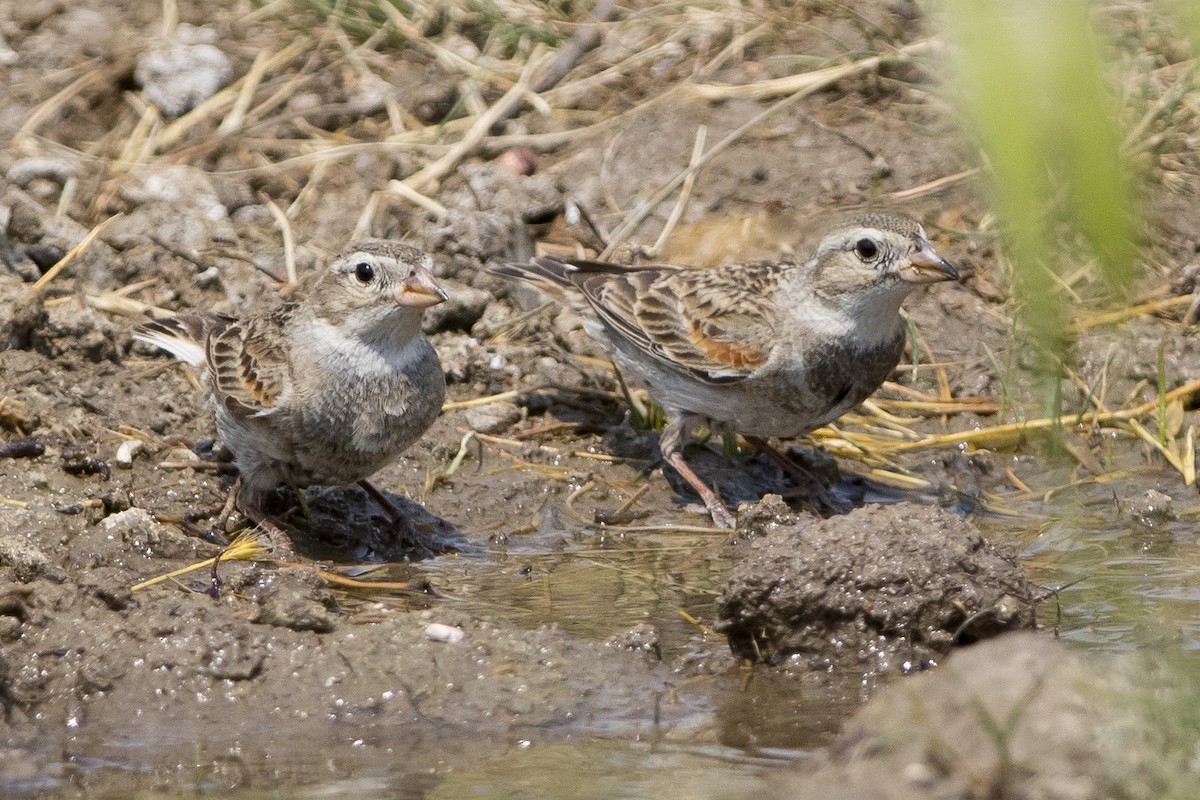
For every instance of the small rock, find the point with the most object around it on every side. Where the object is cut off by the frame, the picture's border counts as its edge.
(437, 632)
(25, 170)
(881, 589)
(76, 328)
(22, 448)
(27, 561)
(518, 161)
(125, 453)
(641, 638)
(129, 522)
(295, 599)
(460, 312)
(178, 74)
(178, 185)
(22, 314)
(8, 56)
(494, 417)
(182, 454)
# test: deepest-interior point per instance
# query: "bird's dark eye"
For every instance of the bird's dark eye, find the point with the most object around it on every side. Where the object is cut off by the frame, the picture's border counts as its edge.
(364, 272)
(866, 249)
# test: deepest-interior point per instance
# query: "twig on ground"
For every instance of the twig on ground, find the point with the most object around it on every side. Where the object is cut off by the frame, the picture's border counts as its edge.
(808, 82)
(289, 242)
(586, 38)
(431, 173)
(74, 252)
(801, 86)
(237, 115)
(685, 193)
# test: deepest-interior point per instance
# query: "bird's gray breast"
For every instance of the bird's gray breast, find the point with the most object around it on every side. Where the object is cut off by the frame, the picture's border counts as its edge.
(368, 411)
(813, 388)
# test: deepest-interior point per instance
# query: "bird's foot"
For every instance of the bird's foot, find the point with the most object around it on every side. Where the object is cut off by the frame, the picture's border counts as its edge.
(277, 539)
(720, 513)
(411, 538)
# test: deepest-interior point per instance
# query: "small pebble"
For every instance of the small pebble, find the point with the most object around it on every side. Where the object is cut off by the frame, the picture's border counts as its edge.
(518, 161)
(86, 465)
(437, 632)
(125, 453)
(1152, 508)
(179, 73)
(493, 418)
(182, 454)
(25, 170)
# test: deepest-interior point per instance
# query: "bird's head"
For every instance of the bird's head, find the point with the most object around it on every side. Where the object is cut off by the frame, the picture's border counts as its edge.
(878, 252)
(375, 286)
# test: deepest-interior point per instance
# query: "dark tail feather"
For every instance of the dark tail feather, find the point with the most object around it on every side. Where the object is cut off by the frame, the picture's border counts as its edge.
(555, 274)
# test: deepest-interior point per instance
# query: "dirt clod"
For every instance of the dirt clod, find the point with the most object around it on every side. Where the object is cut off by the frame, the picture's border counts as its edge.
(881, 589)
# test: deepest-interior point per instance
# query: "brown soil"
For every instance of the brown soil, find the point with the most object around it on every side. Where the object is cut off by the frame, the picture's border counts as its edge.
(111, 690)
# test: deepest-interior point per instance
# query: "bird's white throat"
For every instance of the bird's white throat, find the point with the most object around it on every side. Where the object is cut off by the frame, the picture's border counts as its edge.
(870, 318)
(335, 344)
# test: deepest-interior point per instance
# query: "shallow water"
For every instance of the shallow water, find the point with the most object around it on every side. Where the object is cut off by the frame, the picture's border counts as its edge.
(1114, 581)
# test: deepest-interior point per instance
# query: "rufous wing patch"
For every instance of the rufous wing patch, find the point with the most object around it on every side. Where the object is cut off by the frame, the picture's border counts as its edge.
(709, 341)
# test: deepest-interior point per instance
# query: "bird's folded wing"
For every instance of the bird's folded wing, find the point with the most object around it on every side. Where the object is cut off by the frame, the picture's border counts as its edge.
(249, 364)
(706, 322)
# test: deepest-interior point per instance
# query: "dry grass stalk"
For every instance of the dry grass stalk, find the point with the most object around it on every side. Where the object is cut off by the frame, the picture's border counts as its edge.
(246, 547)
(899, 480)
(1119, 315)
(938, 408)
(431, 173)
(170, 18)
(685, 192)
(237, 115)
(809, 82)
(803, 86)
(116, 303)
(140, 144)
(74, 252)
(1012, 433)
(410, 194)
(362, 228)
(50, 107)
(932, 187)
(374, 586)
(446, 57)
(172, 134)
(289, 241)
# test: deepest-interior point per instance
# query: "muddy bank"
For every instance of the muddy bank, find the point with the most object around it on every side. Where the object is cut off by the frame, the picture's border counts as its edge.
(293, 677)
(589, 582)
(883, 589)
(1021, 716)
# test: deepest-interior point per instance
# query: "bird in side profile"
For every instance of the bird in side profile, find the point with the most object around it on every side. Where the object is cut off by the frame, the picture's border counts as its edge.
(326, 389)
(772, 348)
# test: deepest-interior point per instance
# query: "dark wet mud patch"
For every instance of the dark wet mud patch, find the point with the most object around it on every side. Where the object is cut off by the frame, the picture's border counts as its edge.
(267, 664)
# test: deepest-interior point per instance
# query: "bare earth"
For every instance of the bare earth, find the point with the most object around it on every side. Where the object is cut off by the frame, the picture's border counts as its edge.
(572, 563)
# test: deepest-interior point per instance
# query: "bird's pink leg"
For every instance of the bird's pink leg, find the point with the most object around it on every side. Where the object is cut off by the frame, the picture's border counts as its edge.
(721, 516)
(408, 535)
(394, 514)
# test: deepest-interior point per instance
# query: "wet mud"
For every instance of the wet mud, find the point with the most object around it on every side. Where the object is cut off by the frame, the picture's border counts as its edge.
(588, 596)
